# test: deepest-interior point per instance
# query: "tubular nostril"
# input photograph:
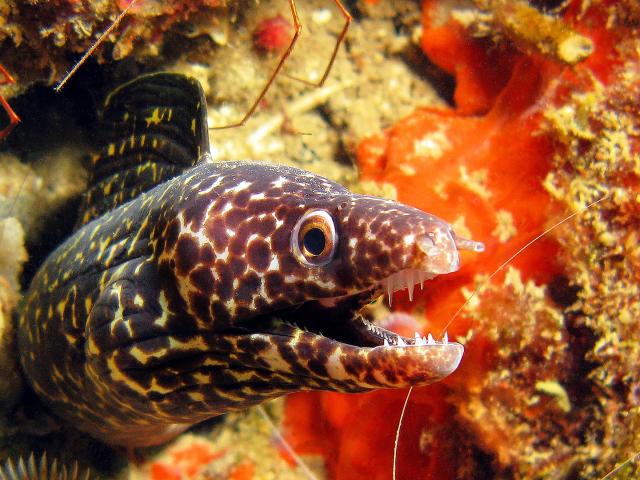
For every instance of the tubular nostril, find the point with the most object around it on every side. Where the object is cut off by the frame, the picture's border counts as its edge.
(466, 244)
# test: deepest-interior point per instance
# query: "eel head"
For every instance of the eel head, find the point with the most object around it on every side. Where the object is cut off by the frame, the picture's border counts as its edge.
(279, 263)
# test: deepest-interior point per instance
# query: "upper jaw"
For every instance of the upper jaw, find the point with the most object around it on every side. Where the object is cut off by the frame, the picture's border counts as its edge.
(408, 279)
(339, 317)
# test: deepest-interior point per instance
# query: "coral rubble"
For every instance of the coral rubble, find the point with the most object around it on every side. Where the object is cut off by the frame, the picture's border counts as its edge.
(241, 447)
(40, 39)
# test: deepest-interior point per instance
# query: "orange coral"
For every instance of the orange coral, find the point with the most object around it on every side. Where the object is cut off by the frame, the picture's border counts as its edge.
(481, 72)
(492, 166)
(185, 462)
(244, 471)
(484, 172)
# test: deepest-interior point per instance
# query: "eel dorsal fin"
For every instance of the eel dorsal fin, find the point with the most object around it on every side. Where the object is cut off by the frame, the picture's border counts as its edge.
(154, 127)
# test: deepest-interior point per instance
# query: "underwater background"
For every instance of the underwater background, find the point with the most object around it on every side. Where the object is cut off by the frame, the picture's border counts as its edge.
(502, 117)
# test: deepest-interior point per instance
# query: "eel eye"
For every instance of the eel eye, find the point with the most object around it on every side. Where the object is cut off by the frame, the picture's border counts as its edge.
(314, 239)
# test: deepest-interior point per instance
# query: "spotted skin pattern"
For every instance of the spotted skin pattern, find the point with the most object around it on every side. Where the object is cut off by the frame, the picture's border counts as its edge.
(189, 301)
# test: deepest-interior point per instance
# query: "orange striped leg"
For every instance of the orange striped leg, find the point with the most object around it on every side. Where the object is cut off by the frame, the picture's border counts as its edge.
(14, 119)
(285, 55)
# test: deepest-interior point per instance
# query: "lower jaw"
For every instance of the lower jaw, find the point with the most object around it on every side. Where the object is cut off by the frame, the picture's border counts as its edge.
(349, 368)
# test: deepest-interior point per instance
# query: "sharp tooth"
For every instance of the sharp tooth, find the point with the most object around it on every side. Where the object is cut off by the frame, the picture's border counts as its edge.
(398, 284)
(445, 338)
(410, 284)
(430, 340)
(421, 277)
(386, 342)
(424, 340)
(417, 335)
(401, 342)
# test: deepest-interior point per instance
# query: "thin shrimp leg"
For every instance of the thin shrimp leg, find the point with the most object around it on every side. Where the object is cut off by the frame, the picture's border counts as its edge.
(14, 119)
(298, 29)
(341, 37)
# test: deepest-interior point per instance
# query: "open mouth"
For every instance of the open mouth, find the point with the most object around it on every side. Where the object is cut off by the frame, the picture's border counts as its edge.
(338, 318)
(358, 332)
(329, 345)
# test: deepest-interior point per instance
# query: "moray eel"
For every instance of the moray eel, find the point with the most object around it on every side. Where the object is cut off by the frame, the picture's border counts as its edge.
(193, 288)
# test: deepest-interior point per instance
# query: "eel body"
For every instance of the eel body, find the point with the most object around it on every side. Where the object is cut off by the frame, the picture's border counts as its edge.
(210, 287)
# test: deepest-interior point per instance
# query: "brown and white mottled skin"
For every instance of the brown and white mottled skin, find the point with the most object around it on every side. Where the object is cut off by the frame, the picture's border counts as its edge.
(225, 286)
